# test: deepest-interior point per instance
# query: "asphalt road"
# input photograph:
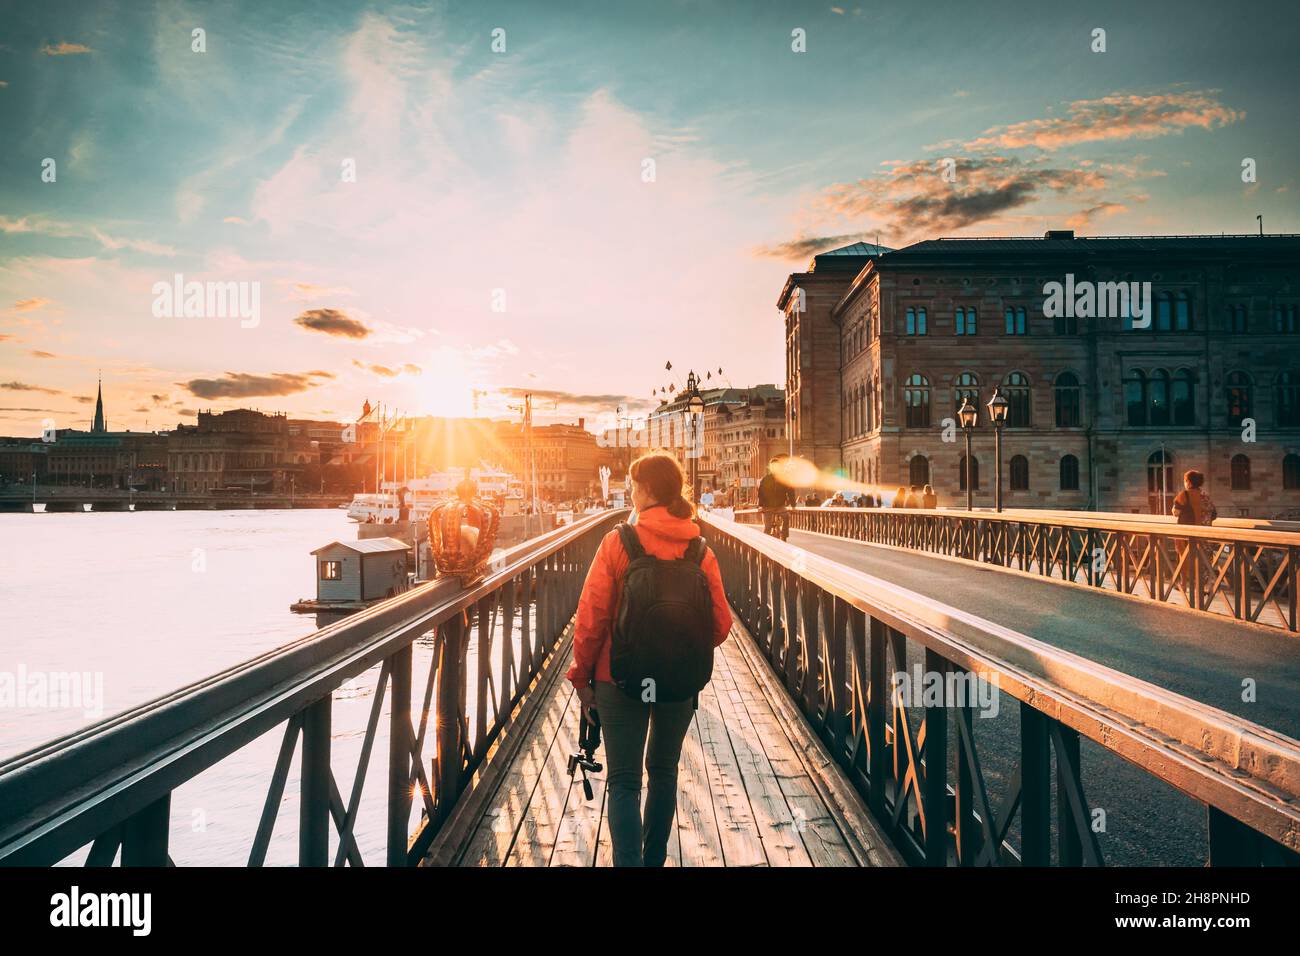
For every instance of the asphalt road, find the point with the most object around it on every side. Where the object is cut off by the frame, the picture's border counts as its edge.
(1201, 656)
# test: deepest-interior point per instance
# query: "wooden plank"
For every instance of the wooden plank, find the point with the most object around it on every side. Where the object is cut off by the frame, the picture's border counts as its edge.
(864, 837)
(697, 821)
(773, 818)
(737, 831)
(495, 835)
(544, 813)
(813, 824)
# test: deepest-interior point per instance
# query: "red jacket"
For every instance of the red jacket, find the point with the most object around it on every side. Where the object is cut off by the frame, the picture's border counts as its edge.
(661, 535)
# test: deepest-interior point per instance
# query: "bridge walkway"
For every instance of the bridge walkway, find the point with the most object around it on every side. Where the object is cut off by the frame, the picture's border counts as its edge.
(755, 786)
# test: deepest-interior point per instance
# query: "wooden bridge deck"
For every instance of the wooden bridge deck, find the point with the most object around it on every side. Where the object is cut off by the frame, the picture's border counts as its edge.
(755, 786)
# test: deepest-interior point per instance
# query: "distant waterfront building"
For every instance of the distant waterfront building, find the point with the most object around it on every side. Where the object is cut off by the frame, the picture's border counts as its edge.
(567, 458)
(99, 458)
(242, 449)
(734, 423)
(882, 345)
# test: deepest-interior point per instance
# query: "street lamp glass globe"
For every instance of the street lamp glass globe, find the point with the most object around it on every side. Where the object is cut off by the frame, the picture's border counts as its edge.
(967, 414)
(998, 407)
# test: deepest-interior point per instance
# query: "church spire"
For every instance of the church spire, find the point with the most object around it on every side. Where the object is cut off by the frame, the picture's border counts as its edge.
(99, 425)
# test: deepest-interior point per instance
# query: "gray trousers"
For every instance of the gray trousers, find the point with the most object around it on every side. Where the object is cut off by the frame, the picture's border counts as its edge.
(624, 722)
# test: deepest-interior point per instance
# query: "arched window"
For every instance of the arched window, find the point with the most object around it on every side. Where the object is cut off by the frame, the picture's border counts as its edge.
(966, 385)
(1240, 396)
(1016, 320)
(1158, 393)
(1291, 473)
(1069, 473)
(1240, 473)
(974, 473)
(1287, 400)
(1237, 319)
(1135, 397)
(1016, 389)
(965, 320)
(1019, 473)
(1284, 318)
(1184, 398)
(1164, 312)
(1068, 410)
(1183, 312)
(918, 471)
(1160, 480)
(916, 401)
(916, 320)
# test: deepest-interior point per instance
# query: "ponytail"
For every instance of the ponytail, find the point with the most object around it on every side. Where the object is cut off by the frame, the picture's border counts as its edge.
(662, 477)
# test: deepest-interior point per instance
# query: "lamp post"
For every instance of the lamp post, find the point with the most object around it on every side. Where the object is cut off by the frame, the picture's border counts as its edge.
(967, 415)
(998, 407)
(695, 408)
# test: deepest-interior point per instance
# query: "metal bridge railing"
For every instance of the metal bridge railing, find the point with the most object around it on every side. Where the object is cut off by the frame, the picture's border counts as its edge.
(836, 637)
(1250, 575)
(110, 784)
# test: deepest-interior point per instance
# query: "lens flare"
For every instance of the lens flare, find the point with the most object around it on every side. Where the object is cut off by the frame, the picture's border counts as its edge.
(802, 473)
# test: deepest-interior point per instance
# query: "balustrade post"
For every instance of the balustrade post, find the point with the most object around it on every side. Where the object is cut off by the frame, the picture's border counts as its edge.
(314, 797)
(879, 687)
(144, 834)
(1035, 788)
(837, 671)
(449, 715)
(1232, 843)
(936, 766)
(400, 740)
(1069, 776)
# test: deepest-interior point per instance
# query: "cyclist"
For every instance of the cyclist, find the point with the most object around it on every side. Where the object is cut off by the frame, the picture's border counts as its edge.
(775, 497)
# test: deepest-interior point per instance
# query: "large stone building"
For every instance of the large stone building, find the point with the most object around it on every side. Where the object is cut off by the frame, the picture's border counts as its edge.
(567, 458)
(737, 425)
(1107, 411)
(101, 458)
(241, 449)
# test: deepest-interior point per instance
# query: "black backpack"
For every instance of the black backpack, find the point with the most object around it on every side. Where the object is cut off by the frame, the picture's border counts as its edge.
(661, 649)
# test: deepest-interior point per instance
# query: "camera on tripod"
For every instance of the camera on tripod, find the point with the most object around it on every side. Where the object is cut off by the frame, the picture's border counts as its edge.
(584, 758)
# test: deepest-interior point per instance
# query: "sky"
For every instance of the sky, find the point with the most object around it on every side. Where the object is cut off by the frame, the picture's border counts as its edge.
(442, 207)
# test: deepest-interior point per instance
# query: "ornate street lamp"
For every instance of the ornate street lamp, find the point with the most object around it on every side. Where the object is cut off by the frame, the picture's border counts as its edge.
(998, 408)
(695, 407)
(967, 415)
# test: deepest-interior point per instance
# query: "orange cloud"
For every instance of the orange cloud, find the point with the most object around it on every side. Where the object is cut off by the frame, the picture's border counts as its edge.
(65, 49)
(1118, 117)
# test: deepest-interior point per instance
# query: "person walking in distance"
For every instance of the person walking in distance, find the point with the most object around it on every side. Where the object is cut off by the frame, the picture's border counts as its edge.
(1192, 506)
(775, 497)
(651, 612)
(928, 498)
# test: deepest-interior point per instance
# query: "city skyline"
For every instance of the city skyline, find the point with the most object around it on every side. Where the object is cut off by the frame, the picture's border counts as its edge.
(444, 217)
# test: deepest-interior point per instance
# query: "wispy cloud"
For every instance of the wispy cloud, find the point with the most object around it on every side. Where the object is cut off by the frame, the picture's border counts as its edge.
(1110, 118)
(249, 385)
(65, 48)
(385, 371)
(333, 322)
(25, 387)
(69, 230)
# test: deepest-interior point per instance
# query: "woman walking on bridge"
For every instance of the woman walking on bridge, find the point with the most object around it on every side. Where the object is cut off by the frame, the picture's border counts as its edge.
(654, 606)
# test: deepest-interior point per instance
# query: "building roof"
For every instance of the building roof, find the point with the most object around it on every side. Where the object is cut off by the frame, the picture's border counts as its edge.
(853, 256)
(1064, 242)
(367, 546)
